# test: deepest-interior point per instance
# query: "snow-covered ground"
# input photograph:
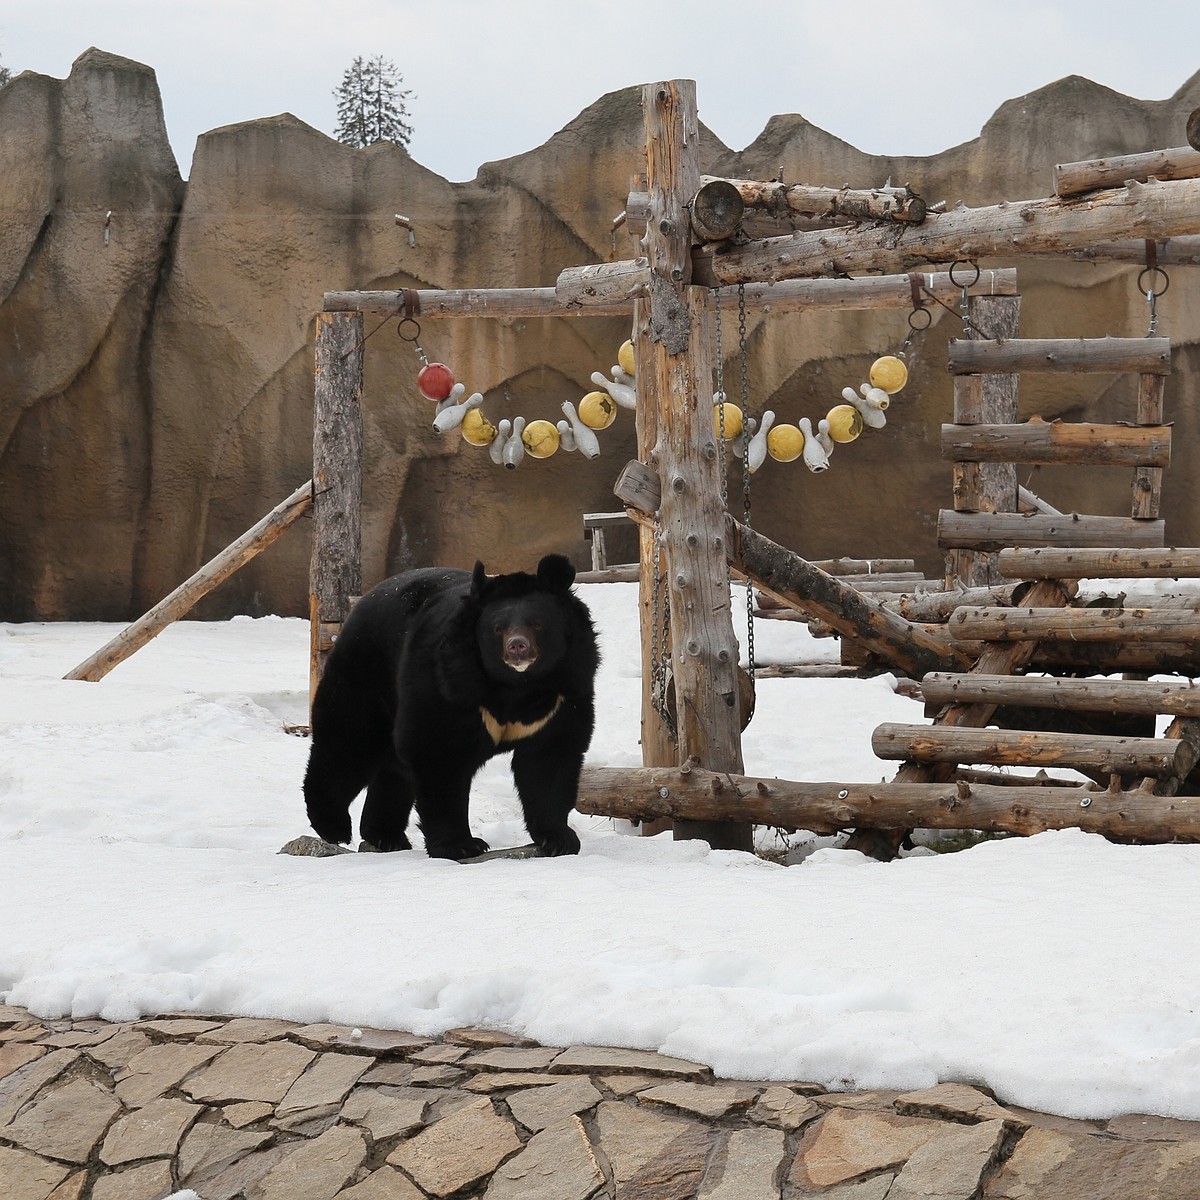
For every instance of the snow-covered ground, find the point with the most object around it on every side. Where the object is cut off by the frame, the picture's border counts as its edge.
(140, 819)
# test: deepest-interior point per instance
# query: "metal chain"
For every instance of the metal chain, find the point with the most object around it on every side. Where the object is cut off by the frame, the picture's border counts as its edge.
(720, 389)
(745, 390)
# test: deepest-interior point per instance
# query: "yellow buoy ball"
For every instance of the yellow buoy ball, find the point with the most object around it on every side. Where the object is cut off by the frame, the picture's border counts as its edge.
(477, 429)
(597, 410)
(625, 358)
(733, 419)
(785, 443)
(845, 422)
(889, 373)
(541, 438)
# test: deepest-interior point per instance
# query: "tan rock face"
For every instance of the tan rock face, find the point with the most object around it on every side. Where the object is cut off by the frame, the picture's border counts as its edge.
(156, 390)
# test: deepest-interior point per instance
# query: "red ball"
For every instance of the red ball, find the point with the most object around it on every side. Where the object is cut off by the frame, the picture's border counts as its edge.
(435, 380)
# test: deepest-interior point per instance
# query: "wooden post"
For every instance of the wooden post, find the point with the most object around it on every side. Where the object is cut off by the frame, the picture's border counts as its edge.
(185, 597)
(1147, 480)
(678, 376)
(335, 573)
(989, 399)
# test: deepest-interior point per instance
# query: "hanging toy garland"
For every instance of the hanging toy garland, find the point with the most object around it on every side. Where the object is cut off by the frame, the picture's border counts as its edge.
(755, 440)
(509, 440)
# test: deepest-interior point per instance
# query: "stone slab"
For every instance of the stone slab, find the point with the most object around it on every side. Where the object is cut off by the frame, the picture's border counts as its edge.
(247, 1071)
(784, 1109)
(15, 1055)
(314, 1170)
(951, 1165)
(711, 1101)
(158, 1069)
(1138, 1127)
(653, 1156)
(356, 1040)
(614, 1060)
(846, 1143)
(326, 1082)
(209, 1149)
(248, 1029)
(750, 1167)
(556, 1164)
(387, 1112)
(153, 1131)
(150, 1181)
(955, 1102)
(241, 1115)
(178, 1027)
(458, 1151)
(538, 1108)
(27, 1176)
(116, 1051)
(481, 1039)
(17, 1089)
(504, 1081)
(66, 1121)
(384, 1184)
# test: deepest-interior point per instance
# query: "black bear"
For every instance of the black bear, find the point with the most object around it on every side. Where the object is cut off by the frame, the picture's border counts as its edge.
(434, 672)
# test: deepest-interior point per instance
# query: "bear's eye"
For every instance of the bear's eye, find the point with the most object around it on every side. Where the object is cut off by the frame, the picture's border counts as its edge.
(497, 629)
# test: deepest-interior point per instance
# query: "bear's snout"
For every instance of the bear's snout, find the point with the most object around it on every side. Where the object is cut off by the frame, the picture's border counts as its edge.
(520, 649)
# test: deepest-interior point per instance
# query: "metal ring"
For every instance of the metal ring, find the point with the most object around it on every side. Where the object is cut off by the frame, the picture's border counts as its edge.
(401, 330)
(962, 262)
(1145, 291)
(919, 312)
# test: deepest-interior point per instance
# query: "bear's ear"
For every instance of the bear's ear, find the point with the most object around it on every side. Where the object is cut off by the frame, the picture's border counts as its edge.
(478, 581)
(555, 573)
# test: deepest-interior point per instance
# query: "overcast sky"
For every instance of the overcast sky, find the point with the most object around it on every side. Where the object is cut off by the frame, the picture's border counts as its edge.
(494, 78)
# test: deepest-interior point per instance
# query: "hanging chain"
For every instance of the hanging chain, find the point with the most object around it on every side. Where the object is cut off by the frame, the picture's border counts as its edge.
(720, 398)
(965, 284)
(745, 393)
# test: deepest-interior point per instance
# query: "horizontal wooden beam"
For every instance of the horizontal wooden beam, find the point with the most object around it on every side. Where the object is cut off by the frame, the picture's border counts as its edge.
(1138, 696)
(1147, 356)
(582, 288)
(1073, 179)
(1029, 748)
(654, 792)
(996, 531)
(1051, 562)
(995, 624)
(938, 605)
(1059, 442)
(1006, 230)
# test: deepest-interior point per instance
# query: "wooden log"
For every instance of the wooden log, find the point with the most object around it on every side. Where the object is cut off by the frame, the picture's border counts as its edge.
(1028, 502)
(678, 376)
(1059, 442)
(894, 807)
(603, 284)
(937, 606)
(1172, 252)
(185, 597)
(1018, 748)
(716, 211)
(582, 286)
(1053, 562)
(856, 204)
(996, 531)
(1073, 179)
(335, 569)
(1069, 355)
(1006, 230)
(503, 304)
(621, 573)
(1142, 696)
(797, 583)
(1147, 480)
(1106, 658)
(1074, 624)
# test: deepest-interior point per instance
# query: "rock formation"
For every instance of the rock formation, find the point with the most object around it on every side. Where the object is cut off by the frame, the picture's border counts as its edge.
(156, 362)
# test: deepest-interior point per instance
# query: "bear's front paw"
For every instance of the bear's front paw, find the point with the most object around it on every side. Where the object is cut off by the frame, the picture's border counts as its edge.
(460, 848)
(335, 828)
(560, 841)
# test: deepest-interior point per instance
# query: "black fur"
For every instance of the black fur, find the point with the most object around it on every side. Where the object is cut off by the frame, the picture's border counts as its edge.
(424, 678)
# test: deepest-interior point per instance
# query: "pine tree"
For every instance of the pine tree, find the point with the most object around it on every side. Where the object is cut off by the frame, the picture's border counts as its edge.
(371, 104)
(5, 74)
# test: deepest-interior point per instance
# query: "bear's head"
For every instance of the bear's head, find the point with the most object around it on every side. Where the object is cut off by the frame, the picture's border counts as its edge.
(523, 623)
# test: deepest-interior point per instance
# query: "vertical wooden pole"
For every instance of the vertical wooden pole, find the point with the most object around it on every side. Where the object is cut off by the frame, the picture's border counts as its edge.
(1147, 481)
(992, 400)
(679, 381)
(335, 573)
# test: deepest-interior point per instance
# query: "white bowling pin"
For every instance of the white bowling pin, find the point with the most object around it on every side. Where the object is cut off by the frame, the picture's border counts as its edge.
(815, 458)
(514, 448)
(451, 417)
(586, 441)
(496, 449)
(757, 453)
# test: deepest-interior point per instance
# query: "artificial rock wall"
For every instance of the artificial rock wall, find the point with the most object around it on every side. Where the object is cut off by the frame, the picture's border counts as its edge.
(156, 339)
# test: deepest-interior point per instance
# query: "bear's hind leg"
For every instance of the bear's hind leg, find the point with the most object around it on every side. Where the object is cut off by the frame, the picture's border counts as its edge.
(548, 784)
(384, 820)
(331, 782)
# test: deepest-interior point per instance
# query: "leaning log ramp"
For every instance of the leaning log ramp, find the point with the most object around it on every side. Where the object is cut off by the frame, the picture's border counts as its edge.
(1014, 690)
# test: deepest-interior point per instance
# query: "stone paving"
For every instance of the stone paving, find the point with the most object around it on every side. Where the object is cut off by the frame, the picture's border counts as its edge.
(247, 1109)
